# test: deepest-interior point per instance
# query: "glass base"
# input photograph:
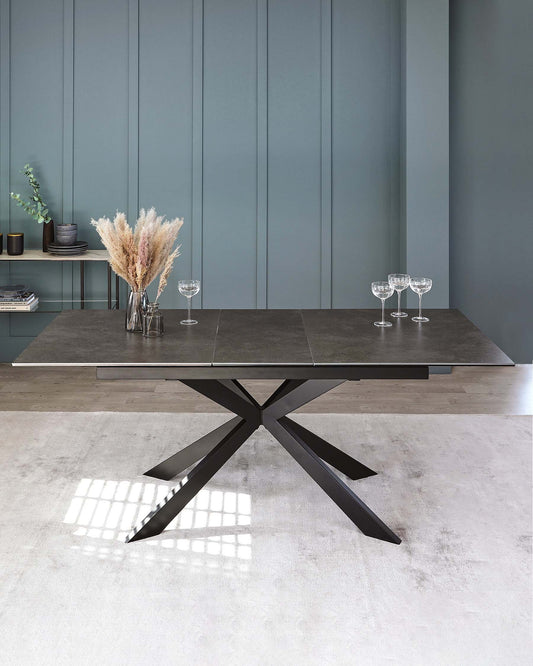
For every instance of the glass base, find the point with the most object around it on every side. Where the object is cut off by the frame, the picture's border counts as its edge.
(399, 314)
(152, 334)
(188, 322)
(382, 324)
(420, 320)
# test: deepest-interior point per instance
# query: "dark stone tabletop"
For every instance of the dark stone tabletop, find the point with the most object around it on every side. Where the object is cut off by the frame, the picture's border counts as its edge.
(263, 338)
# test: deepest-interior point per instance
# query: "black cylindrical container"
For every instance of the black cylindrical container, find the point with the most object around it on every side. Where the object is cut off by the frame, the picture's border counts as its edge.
(1, 243)
(15, 244)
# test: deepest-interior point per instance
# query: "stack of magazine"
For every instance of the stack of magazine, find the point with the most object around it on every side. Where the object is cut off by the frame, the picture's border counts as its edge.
(17, 298)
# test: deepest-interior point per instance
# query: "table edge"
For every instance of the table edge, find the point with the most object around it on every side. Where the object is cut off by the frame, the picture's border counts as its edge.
(260, 365)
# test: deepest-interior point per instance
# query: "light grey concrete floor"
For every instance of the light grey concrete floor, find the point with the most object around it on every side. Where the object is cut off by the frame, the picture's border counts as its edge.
(262, 568)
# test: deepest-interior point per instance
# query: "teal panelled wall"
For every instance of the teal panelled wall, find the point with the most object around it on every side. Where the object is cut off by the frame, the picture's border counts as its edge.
(274, 127)
(229, 243)
(491, 130)
(366, 213)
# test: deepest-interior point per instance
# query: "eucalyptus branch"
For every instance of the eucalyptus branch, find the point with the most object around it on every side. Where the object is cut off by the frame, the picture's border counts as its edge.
(35, 207)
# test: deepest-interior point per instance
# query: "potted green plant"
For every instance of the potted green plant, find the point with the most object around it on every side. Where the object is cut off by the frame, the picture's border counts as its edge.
(37, 209)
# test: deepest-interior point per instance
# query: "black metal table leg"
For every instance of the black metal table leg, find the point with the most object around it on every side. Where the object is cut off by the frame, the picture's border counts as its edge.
(227, 396)
(283, 389)
(239, 389)
(295, 393)
(182, 494)
(109, 286)
(179, 462)
(358, 512)
(331, 454)
(117, 291)
(82, 285)
(309, 450)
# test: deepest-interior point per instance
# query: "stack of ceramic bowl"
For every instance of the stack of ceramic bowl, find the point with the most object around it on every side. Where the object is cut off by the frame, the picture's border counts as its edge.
(79, 247)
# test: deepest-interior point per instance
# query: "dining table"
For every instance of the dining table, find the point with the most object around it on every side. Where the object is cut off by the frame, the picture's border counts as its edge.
(309, 351)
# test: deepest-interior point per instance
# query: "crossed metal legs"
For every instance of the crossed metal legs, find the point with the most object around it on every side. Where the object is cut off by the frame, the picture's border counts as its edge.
(213, 450)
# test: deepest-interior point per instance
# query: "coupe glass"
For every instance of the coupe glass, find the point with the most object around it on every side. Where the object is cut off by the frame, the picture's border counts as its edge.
(420, 285)
(188, 288)
(382, 290)
(399, 282)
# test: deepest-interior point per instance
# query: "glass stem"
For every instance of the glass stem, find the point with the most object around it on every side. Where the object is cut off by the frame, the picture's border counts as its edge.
(399, 294)
(189, 299)
(420, 305)
(382, 310)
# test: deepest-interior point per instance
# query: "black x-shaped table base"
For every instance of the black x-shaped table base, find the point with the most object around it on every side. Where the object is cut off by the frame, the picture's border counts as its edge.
(215, 449)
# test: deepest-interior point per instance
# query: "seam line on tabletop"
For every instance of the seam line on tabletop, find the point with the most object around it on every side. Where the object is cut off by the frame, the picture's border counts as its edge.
(307, 338)
(216, 337)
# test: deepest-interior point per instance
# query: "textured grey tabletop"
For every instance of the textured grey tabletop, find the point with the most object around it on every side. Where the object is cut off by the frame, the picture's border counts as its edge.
(449, 338)
(98, 338)
(263, 338)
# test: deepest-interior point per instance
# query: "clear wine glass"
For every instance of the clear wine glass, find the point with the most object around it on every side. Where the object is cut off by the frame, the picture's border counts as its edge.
(188, 288)
(399, 282)
(382, 290)
(420, 285)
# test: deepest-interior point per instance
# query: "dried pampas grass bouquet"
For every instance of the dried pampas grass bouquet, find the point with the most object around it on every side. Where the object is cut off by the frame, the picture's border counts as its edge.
(139, 255)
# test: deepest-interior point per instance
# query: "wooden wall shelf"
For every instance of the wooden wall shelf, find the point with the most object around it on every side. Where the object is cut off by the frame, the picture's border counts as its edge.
(39, 255)
(90, 255)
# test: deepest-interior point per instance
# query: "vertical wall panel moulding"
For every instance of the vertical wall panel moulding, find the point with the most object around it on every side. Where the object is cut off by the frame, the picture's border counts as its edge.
(4, 116)
(262, 153)
(102, 148)
(362, 144)
(229, 178)
(5, 148)
(68, 141)
(426, 157)
(133, 109)
(165, 138)
(36, 137)
(402, 199)
(395, 124)
(294, 148)
(197, 143)
(325, 154)
(133, 113)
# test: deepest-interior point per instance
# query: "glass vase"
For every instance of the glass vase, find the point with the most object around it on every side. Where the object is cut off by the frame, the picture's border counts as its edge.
(137, 305)
(152, 321)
